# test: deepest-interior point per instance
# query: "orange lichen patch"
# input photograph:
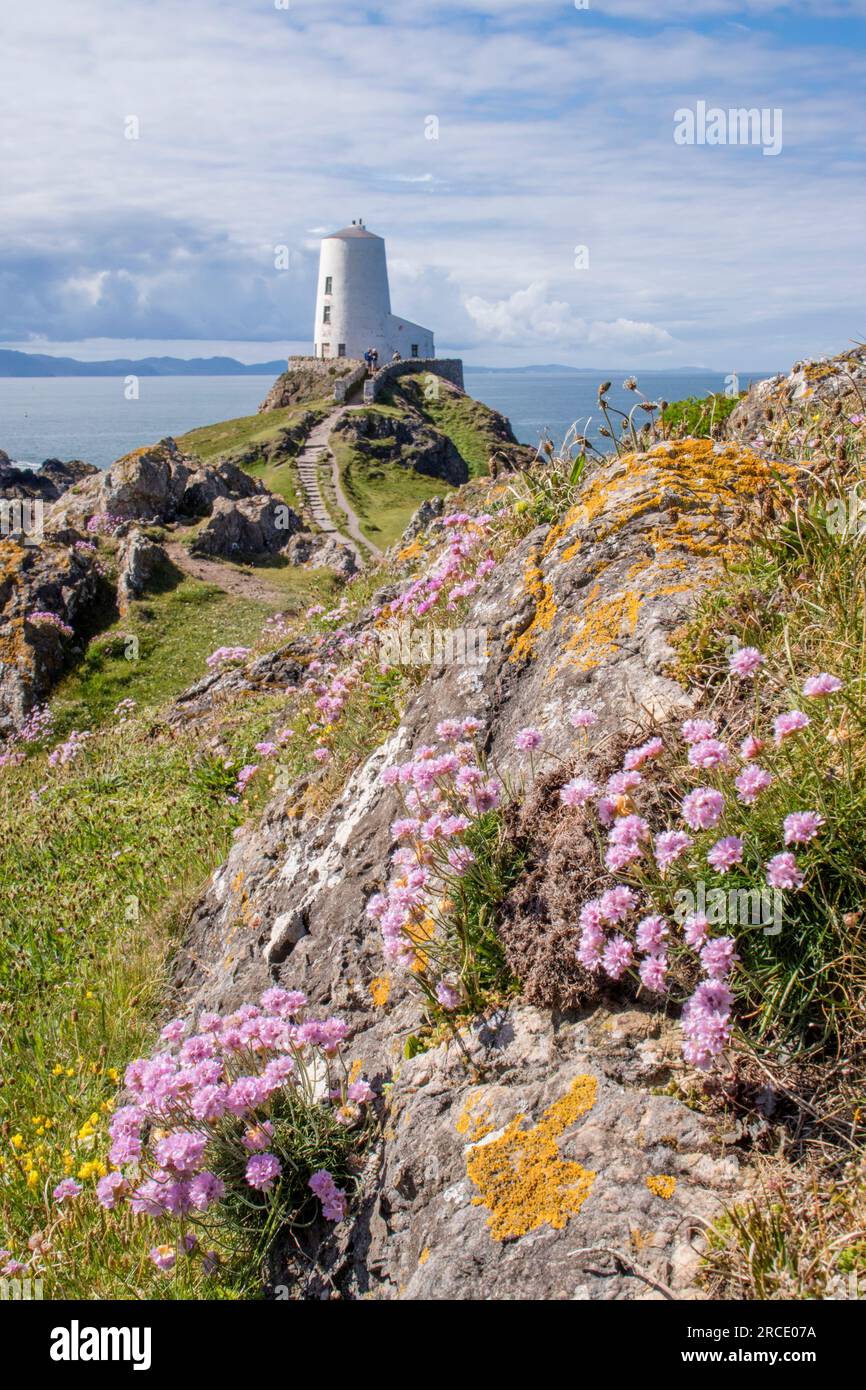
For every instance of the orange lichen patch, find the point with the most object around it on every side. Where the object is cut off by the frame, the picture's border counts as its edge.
(419, 932)
(472, 1120)
(662, 1185)
(237, 881)
(561, 528)
(424, 1256)
(522, 1178)
(380, 990)
(411, 551)
(598, 631)
(571, 550)
(523, 646)
(355, 1070)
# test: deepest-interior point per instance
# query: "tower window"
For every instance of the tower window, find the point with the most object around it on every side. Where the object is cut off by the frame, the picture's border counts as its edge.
(326, 314)
(341, 349)
(414, 349)
(329, 284)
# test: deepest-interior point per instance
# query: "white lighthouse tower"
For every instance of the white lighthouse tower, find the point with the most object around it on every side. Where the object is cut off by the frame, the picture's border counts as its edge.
(353, 303)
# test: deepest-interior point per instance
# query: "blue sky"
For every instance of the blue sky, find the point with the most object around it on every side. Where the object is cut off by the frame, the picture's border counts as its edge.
(261, 127)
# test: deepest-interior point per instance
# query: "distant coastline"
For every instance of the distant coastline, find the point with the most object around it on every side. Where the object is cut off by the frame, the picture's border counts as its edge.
(14, 364)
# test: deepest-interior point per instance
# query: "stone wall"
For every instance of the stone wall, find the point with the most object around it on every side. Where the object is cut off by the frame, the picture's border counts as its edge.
(451, 368)
(347, 384)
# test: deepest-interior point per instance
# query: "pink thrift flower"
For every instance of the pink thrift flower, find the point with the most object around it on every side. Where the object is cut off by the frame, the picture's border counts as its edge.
(790, 723)
(164, 1257)
(623, 782)
(718, 957)
(695, 930)
(651, 933)
(696, 730)
(802, 826)
(174, 1031)
(652, 971)
(334, 1201)
(447, 995)
(750, 747)
(618, 857)
(702, 808)
(262, 1171)
(583, 718)
(67, 1188)
(360, 1092)
(528, 739)
(616, 904)
(725, 854)
(109, 1188)
(617, 957)
(824, 684)
(578, 792)
(708, 753)
(669, 845)
(751, 782)
(782, 872)
(636, 757)
(745, 662)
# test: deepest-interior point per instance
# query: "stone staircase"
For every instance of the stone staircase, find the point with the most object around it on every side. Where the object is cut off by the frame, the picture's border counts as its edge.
(307, 463)
(315, 453)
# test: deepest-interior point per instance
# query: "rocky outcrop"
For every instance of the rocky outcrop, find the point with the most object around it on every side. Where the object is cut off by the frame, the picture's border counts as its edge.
(824, 379)
(576, 614)
(156, 484)
(139, 560)
(315, 551)
(46, 592)
(409, 441)
(307, 379)
(252, 526)
(47, 482)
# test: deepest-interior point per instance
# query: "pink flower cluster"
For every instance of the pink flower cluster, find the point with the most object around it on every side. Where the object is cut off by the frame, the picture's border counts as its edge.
(102, 524)
(69, 750)
(455, 576)
(35, 726)
(443, 793)
(41, 617)
(613, 938)
(225, 654)
(211, 1095)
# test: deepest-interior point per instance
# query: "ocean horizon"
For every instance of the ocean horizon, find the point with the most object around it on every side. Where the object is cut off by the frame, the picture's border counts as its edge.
(90, 418)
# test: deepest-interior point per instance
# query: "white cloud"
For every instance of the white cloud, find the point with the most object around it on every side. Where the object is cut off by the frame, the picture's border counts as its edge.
(528, 318)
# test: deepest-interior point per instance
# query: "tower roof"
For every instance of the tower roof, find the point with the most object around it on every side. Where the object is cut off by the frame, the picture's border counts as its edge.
(356, 230)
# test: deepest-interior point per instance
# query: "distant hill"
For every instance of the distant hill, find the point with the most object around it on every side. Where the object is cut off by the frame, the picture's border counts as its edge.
(37, 364)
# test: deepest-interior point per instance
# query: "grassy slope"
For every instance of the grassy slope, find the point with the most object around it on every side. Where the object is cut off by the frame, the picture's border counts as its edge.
(464, 420)
(383, 494)
(228, 438)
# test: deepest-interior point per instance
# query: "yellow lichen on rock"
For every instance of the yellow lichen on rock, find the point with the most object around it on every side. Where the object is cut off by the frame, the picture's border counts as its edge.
(380, 990)
(472, 1120)
(541, 590)
(521, 1176)
(662, 1185)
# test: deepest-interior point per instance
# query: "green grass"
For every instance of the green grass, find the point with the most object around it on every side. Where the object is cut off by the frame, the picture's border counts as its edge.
(464, 420)
(281, 479)
(230, 437)
(383, 494)
(100, 861)
(154, 651)
(696, 415)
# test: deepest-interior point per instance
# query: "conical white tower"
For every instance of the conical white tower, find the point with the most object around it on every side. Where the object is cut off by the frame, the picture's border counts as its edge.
(353, 302)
